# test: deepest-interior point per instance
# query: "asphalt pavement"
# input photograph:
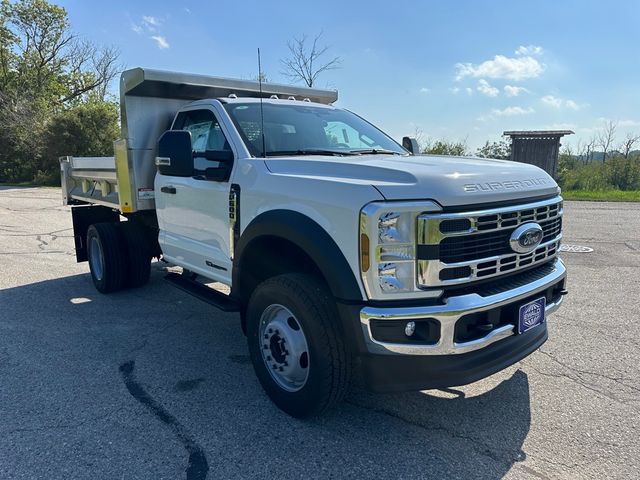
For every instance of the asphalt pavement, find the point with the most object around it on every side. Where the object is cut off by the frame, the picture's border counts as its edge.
(154, 384)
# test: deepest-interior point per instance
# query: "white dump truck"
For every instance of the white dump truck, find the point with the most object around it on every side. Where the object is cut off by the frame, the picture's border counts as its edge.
(349, 257)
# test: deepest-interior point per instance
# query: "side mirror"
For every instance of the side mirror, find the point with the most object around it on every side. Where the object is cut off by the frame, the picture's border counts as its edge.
(174, 154)
(223, 156)
(411, 144)
(219, 173)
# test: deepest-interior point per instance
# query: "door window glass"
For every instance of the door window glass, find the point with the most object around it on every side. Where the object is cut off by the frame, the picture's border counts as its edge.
(206, 134)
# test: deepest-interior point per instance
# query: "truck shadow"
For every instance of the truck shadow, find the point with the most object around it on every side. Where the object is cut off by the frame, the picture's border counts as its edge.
(174, 341)
(479, 436)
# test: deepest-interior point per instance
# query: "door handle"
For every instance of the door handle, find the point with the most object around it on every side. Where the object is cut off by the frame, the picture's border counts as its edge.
(168, 189)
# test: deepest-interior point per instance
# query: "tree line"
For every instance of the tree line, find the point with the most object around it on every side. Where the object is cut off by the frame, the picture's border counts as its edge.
(604, 143)
(55, 101)
(54, 97)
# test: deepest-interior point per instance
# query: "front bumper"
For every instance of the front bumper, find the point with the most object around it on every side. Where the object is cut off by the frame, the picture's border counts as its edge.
(404, 366)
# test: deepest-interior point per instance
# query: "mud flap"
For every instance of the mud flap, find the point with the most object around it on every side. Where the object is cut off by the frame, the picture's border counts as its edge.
(85, 216)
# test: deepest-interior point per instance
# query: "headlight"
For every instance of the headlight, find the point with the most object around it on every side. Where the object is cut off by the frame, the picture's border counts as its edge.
(388, 249)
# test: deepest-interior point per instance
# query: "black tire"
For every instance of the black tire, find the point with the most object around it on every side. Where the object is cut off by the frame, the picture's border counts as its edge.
(138, 253)
(329, 360)
(107, 257)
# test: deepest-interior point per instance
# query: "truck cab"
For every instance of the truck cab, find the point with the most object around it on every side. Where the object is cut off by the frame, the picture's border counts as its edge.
(348, 257)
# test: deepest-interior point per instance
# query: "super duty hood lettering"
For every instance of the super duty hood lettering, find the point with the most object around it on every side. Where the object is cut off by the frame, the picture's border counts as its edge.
(506, 185)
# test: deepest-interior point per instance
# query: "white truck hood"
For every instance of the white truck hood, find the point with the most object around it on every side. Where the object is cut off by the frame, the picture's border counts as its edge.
(450, 181)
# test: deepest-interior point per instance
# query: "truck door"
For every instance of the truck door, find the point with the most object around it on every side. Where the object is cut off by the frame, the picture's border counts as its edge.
(193, 212)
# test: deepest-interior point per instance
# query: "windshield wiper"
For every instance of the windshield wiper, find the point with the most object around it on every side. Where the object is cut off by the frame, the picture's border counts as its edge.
(375, 151)
(309, 151)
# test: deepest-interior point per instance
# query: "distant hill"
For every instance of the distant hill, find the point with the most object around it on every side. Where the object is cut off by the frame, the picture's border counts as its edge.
(599, 156)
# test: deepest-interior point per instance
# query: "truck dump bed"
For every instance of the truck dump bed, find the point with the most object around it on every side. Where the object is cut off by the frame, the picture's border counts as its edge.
(149, 99)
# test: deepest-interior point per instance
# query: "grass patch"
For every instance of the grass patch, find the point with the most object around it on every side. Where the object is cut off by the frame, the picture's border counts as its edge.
(602, 195)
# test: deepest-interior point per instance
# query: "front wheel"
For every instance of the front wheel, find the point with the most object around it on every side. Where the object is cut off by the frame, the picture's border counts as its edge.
(296, 344)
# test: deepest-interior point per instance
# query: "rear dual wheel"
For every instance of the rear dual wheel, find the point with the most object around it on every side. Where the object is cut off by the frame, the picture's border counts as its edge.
(119, 256)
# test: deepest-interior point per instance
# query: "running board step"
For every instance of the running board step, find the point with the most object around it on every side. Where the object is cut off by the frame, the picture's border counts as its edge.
(204, 293)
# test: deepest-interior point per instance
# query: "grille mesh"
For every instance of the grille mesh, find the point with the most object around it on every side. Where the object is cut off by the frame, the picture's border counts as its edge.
(483, 245)
(461, 248)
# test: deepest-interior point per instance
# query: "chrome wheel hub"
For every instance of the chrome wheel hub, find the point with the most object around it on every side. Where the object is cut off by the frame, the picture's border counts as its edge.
(284, 348)
(96, 258)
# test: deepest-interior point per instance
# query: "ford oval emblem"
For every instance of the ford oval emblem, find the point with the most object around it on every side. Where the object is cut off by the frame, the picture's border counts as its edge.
(526, 238)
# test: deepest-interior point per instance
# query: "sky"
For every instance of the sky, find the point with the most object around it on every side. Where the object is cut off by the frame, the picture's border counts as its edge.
(449, 69)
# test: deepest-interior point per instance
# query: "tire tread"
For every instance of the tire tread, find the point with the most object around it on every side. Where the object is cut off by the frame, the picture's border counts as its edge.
(115, 261)
(321, 309)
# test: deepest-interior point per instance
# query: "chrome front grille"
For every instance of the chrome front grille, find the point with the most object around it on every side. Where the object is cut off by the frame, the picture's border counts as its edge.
(455, 248)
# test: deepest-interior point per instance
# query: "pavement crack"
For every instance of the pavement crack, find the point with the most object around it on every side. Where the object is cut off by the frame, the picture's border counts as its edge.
(585, 384)
(198, 466)
(486, 450)
(579, 372)
(143, 340)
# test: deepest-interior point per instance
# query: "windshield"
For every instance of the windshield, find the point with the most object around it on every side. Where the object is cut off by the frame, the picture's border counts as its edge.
(308, 130)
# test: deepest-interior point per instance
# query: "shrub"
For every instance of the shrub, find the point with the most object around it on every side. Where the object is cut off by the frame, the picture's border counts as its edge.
(618, 173)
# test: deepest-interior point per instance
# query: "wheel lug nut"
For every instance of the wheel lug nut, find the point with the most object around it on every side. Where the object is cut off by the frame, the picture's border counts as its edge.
(266, 347)
(266, 336)
(271, 330)
(280, 369)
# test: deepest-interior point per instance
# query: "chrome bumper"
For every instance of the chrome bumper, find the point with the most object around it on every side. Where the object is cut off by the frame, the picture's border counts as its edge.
(449, 314)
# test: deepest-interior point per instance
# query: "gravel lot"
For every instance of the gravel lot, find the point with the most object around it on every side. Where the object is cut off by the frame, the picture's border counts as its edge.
(152, 383)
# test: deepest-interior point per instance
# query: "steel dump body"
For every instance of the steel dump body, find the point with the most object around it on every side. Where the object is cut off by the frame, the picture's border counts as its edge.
(149, 100)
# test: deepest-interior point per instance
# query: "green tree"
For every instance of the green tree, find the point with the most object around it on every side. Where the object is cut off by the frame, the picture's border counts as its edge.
(88, 129)
(45, 71)
(455, 148)
(44, 60)
(500, 150)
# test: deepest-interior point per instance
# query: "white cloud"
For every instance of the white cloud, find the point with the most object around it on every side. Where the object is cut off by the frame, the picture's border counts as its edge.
(161, 42)
(511, 111)
(557, 102)
(628, 123)
(572, 105)
(529, 50)
(513, 91)
(151, 22)
(454, 90)
(506, 112)
(425, 90)
(560, 126)
(486, 89)
(501, 67)
(552, 101)
(469, 91)
(148, 23)
(621, 123)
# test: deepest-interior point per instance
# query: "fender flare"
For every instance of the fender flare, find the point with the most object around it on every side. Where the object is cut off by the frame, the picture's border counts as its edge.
(312, 239)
